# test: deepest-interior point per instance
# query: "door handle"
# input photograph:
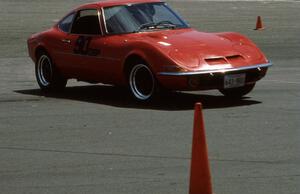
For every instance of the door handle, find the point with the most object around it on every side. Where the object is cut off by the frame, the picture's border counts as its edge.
(66, 41)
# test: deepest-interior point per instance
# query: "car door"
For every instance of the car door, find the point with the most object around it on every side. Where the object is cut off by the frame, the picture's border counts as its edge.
(78, 46)
(87, 44)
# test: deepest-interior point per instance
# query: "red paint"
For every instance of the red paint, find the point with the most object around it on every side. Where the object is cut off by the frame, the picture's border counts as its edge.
(184, 50)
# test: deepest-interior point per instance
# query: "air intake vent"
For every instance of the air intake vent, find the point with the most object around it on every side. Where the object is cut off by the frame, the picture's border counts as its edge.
(216, 61)
(236, 60)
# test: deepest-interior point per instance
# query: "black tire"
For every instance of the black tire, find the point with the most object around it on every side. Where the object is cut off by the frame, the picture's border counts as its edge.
(47, 76)
(237, 92)
(142, 83)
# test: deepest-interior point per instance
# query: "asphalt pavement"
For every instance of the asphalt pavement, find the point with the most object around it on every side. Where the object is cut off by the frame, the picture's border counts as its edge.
(96, 139)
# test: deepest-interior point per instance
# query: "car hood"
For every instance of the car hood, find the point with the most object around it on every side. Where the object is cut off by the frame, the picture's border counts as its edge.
(192, 49)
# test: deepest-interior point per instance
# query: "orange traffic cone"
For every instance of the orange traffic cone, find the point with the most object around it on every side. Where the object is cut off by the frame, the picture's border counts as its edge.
(259, 24)
(200, 180)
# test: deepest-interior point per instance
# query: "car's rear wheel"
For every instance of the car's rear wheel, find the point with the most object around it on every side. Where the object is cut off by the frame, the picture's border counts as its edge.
(237, 92)
(142, 83)
(47, 75)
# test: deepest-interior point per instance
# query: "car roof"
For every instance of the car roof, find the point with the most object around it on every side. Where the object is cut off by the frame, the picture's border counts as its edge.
(108, 3)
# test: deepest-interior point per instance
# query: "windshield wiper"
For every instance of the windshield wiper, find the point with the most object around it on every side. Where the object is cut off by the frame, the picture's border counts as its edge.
(159, 25)
(150, 25)
(166, 24)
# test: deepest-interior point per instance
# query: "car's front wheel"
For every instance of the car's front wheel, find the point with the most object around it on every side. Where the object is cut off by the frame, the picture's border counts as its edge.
(142, 82)
(47, 75)
(237, 92)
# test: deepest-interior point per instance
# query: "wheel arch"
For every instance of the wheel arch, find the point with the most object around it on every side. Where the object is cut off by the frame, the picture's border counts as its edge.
(132, 60)
(39, 50)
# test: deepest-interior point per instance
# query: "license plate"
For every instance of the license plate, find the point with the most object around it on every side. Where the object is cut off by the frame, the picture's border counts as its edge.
(234, 80)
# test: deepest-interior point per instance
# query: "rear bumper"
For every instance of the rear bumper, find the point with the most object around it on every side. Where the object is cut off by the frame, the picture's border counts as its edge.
(209, 79)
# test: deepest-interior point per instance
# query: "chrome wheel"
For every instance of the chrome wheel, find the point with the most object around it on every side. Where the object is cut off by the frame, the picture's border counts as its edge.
(44, 70)
(142, 82)
(47, 76)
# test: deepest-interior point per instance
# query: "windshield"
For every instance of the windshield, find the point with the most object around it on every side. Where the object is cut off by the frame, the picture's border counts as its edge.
(141, 17)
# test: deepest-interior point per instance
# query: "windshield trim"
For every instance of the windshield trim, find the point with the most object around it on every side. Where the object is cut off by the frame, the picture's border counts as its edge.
(163, 29)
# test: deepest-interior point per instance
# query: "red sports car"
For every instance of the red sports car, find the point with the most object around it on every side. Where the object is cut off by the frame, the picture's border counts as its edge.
(146, 46)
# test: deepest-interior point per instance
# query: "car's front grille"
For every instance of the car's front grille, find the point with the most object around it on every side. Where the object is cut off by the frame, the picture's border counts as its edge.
(216, 80)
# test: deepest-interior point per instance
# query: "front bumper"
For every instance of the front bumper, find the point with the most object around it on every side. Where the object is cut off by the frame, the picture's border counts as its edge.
(227, 70)
(210, 79)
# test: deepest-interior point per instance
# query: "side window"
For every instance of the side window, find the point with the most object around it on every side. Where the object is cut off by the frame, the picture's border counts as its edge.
(86, 22)
(66, 23)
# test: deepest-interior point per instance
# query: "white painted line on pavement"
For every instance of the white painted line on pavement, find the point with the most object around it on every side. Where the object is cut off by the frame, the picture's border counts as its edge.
(282, 81)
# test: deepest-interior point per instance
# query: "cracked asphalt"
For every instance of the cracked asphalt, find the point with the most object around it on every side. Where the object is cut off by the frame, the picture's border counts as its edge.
(95, 139)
